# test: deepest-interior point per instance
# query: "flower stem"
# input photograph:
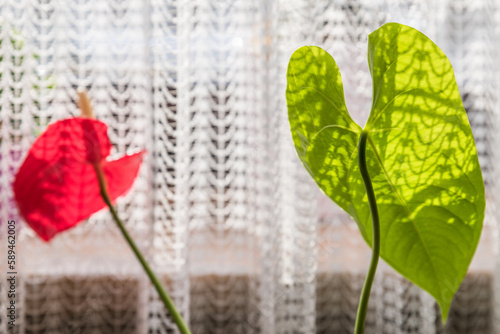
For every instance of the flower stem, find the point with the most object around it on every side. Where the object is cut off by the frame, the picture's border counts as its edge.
(161, 291)
(359, 326)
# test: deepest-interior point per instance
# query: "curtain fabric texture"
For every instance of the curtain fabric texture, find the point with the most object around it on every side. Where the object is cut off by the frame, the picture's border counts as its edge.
(230, 220)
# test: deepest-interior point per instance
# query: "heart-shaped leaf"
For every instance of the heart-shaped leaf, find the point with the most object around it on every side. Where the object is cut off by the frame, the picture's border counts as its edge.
(421, 155)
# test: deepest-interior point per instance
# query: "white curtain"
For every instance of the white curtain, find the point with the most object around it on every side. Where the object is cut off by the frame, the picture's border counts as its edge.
(222, 208)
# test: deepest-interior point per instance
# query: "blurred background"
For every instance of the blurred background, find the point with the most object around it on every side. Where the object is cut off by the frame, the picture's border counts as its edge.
(230, 220)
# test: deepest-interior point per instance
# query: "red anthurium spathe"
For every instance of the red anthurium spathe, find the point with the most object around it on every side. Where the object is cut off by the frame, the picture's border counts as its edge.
(57, 186)
(66, 178)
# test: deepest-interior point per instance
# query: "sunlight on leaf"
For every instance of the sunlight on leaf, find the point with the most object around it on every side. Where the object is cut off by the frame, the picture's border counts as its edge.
(421, 155)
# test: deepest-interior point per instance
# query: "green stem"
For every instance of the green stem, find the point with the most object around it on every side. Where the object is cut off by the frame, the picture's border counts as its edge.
(359, 327)
(163, 294)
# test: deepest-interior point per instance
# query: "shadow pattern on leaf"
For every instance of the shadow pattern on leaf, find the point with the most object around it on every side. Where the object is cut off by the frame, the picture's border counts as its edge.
(421, 154)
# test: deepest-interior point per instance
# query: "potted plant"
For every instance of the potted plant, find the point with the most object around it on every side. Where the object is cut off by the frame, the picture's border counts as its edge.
(410, 178)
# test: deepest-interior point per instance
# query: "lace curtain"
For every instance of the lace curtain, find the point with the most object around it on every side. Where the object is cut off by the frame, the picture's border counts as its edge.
(232, 223)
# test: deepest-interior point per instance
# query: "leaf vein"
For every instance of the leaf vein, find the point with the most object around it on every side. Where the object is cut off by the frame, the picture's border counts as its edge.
(404, 204)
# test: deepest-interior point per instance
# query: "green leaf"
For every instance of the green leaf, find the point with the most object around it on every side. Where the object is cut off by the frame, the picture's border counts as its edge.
(421, 154)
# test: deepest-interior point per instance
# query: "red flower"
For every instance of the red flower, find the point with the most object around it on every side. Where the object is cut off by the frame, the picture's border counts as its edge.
(57, 186)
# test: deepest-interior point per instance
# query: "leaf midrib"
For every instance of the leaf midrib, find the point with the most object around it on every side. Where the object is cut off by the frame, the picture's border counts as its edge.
(403, 202)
